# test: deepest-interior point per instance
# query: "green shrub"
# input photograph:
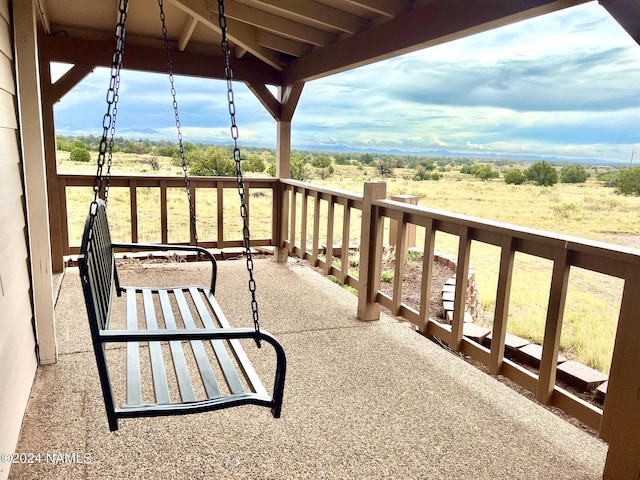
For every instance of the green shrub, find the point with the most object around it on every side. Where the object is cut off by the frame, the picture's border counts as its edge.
(628, 181)
(573, 174)
(542, 173)
(485, 172)
(80, 154)
(214, 162)
(253, 164)
(514, 177)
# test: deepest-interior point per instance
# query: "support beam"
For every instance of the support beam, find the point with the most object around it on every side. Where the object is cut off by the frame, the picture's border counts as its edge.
(54, 92)
(56, 230)
(282, 110)
(26, 47)
(187, 30)
(150, 59)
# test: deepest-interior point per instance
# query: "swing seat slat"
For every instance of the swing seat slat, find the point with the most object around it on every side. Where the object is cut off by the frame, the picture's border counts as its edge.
(181, 356)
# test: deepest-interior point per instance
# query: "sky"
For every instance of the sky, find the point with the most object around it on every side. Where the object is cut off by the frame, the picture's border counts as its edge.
(563, 85)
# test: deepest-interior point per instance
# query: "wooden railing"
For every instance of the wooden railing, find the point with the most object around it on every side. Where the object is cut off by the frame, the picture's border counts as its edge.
(303, 224)
(618, 423)
(142, 213)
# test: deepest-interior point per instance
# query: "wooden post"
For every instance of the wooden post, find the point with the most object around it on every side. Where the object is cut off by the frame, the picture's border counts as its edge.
(51, 169)
(411, 231)
(26, 46)
(370, 252)
(621, 419)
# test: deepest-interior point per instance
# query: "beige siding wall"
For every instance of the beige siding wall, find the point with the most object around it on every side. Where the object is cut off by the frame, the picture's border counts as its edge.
(17, 357)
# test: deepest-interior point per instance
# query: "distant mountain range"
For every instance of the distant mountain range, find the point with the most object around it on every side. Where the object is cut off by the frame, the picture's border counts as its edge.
(151, 134)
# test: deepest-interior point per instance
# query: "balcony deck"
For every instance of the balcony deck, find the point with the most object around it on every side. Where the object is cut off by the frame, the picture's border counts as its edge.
(362, 400)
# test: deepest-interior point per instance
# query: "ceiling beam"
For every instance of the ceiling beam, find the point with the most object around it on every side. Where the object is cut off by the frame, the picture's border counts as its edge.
(150, 59)
(278, 25)
(379, 7)
(431, 24)
(281, 44)
(238, 33)
(322, 15)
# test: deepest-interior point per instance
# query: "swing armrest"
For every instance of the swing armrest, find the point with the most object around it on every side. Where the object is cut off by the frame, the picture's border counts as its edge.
(181, 248)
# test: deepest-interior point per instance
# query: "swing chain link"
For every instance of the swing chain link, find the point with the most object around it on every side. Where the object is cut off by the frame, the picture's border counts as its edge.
(244, 213)
(187, 182)
(109, 119)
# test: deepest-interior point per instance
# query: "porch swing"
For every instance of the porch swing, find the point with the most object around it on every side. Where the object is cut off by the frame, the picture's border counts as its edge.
(194, 334)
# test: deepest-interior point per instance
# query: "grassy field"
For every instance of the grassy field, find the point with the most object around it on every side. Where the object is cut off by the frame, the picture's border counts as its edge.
(585, 210)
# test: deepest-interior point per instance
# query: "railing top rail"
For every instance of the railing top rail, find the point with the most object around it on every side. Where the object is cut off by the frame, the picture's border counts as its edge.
(78, 180)
(327, 190)
(621, 256)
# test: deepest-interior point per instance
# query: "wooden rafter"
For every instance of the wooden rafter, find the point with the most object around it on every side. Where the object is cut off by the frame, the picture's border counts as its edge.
(239, 33)
(317, 14)
(276, 24)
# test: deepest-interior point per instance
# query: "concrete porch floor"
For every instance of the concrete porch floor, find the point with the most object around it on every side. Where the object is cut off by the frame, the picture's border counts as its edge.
(362, 401)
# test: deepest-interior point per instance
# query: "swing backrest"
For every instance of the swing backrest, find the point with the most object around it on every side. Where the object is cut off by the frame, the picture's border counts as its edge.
(96, 263)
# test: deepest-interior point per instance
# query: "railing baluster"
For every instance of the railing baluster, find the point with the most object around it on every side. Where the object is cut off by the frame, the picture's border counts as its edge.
(503, 293)
(553, 327)
(194, 203)
(460, 301)
(292, 237)
(164, 230)
(427, 274)
(133, 204)
(220, 214)
(315, 245)
(303, 223)
(330, 218)
(346, 223)
(64, 216)
(400, 261)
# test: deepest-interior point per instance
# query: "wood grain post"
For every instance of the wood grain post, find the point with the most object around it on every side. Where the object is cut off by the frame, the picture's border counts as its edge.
(370, 252)
(621, 419)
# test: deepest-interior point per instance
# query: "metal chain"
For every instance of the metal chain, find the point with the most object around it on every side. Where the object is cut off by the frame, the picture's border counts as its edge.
(187, 183)
(109, 119)
(228, 74)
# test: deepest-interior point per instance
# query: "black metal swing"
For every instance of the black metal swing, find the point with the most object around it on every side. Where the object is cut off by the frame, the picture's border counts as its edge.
(183, 328)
